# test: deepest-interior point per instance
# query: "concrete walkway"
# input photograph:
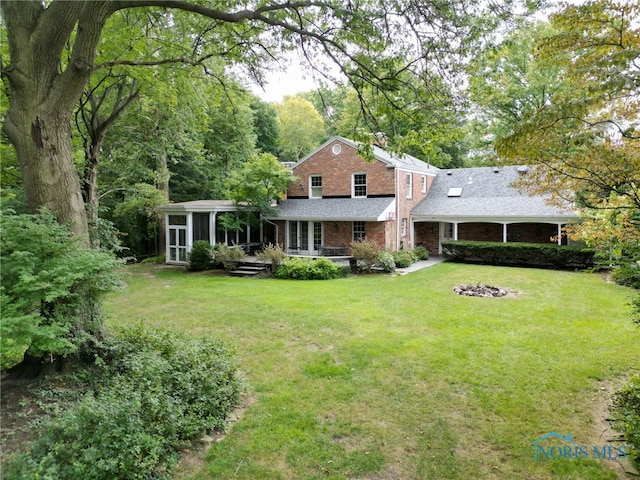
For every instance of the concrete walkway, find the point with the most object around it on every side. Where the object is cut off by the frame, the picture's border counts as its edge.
(420, 265)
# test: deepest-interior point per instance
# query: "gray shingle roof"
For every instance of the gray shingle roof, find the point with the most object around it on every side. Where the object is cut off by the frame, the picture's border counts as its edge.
(486, 193)
(337, 209)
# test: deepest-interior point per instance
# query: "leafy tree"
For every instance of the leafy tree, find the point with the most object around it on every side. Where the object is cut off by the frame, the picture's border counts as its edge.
(259, 183)
(416, 120)
(53, 48)
(584, 141)
(330, 103)
(50, 288)
(265, 126)
(301, 128)
(507, 83)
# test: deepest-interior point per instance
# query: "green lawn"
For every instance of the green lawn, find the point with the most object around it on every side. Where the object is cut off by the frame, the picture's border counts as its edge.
(397, 377)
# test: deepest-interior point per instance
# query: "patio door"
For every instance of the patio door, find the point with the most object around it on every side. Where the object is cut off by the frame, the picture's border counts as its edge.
(305, 237)
(177, 241)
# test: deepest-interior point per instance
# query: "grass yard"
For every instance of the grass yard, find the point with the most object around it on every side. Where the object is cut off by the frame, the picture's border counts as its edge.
(397, 377)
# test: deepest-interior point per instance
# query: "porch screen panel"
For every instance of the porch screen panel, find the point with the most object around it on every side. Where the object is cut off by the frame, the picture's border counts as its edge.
(201, 230)
(293, 235)
(304, 235)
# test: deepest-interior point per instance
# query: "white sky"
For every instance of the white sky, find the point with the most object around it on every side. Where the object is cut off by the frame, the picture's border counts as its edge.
(280, 84)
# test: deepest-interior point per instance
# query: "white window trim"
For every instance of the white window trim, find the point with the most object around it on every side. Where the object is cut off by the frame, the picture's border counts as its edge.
(311, 186)
(423, 184)
(353, 185)
(409, 185)
(403, 227)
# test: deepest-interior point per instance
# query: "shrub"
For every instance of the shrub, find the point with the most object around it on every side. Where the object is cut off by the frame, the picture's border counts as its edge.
(627, 274)
(227, 256)
(307, 269)
(273, 254)
(386, 262)
(200, 257)
(521, 254)
(627, 404)
(366, 253)
(421, 253)
(155, 391)
(403, 258)
(50, 289)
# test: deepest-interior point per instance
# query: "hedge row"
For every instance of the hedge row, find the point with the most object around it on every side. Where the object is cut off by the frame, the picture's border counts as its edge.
(519, 254)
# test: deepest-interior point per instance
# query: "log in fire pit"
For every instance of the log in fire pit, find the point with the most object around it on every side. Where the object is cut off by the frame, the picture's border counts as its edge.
(480, 290)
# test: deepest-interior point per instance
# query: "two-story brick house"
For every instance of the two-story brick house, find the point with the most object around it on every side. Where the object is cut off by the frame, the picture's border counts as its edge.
(339, 197)
(396, 200)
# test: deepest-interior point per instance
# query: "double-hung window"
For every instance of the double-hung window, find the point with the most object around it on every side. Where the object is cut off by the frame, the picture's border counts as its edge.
(409, 185)
(423, 184)
(359, 185)
(315, 186)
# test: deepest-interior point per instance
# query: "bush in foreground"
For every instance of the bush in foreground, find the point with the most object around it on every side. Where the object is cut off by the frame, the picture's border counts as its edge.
(296, 268)
(152, 393)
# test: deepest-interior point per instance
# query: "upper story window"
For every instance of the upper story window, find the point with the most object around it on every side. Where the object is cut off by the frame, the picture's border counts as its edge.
(409, 185)
(359, 185)
(315, 188)
(423, 184)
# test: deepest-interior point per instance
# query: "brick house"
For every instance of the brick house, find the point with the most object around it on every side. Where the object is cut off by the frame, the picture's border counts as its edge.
(339, 197)
(484, 204)
(397, 200)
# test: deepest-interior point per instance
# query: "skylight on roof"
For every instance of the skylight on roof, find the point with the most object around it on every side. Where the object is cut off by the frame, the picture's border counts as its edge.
(454, 192)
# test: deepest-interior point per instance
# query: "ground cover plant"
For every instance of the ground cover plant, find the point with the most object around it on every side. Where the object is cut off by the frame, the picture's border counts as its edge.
(149, 394)
(384, 376)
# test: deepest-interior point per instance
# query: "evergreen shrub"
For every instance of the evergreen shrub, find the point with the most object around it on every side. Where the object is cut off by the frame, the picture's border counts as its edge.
(545, 255)
(421, 253)
(200, 257)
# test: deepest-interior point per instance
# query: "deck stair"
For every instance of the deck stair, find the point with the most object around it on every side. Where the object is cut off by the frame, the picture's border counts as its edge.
(249, 269)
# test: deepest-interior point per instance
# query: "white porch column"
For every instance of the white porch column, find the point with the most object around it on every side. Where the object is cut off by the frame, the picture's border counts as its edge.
(189, 231)
(166, 235)
(411, 237)
(559, 234)
(455, 230)
(504, 232)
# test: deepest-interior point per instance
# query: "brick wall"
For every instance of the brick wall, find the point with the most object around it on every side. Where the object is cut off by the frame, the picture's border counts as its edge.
(336, 171)
(427, 234)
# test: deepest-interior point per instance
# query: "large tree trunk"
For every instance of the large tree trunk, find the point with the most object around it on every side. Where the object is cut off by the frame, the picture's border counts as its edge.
(49, 175)
(43, 95)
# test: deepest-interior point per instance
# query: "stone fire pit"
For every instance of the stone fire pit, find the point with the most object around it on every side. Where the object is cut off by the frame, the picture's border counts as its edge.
(480, 290)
